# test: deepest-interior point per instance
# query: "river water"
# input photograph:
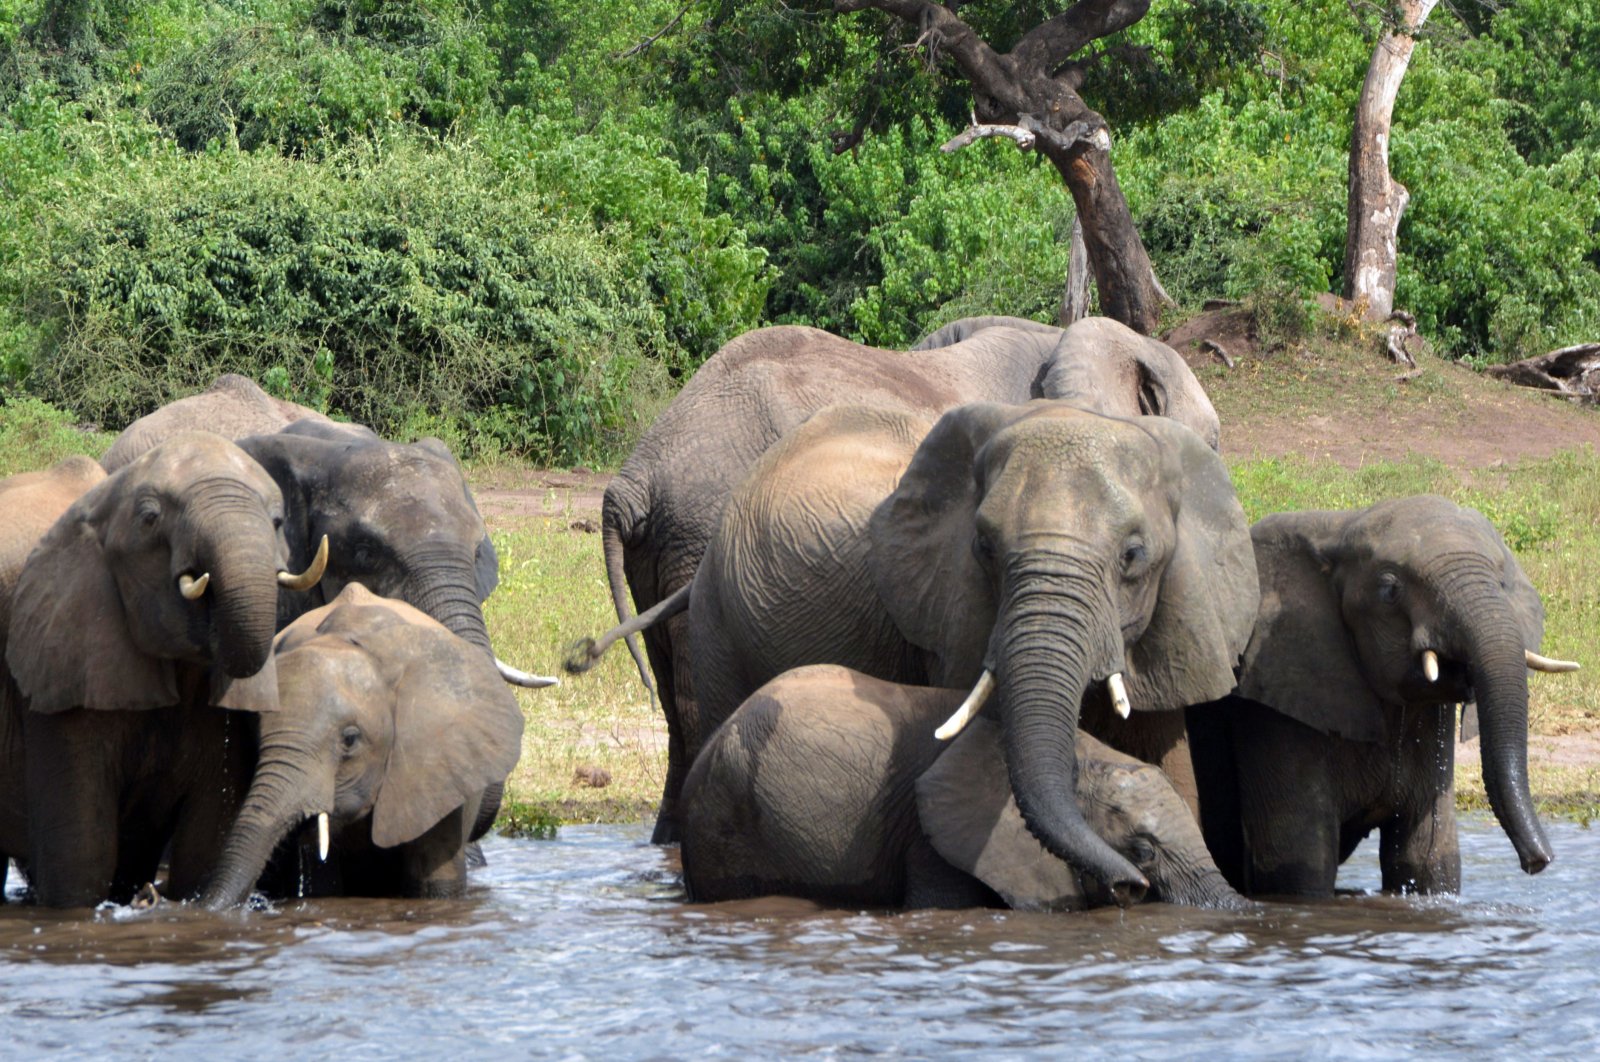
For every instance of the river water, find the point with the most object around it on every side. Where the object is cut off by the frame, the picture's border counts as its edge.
(582, 947)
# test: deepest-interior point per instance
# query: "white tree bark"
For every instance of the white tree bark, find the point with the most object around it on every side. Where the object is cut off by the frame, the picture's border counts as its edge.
(1376, 199)
(1075, 299)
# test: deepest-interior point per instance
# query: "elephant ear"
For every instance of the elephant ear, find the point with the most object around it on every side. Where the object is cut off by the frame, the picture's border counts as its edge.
(457, 730)
(1302, 660)
(968, 814)
(69, 645)
(258, 693)
(922, 560)
(1207, 601)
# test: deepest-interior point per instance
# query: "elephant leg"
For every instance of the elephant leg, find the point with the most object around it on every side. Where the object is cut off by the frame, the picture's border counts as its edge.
(1289, 804)
(435, 865)
(1418, 848)
(138, 863)
(932, 882)
(1216, 774)
(72, 813)
(665, 664)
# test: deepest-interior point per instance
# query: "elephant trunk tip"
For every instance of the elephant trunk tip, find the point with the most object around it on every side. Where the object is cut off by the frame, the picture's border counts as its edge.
(1537, 858)
(581, 656)
(1128, 892)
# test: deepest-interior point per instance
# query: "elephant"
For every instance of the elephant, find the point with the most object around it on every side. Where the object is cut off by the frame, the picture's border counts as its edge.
(146, 608)
(401, 521)
(662, 506)
(830, 785)
(961, 330)
(389, 731)
(1374, 624)
(233, 407)
(1066, 561)
(29, 503)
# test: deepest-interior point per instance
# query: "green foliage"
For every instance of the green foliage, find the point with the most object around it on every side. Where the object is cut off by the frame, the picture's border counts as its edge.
(423, 278)
(35, 434)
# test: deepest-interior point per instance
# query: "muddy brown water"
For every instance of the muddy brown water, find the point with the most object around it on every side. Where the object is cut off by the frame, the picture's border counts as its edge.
(582, 947)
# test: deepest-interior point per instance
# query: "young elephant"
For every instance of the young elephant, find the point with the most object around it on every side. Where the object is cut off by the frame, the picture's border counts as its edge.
(390, 729)
(1374, 625)
(830, 785)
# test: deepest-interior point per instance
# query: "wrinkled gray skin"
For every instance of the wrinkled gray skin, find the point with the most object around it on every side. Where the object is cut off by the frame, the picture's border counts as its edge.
(400, 521)
(1052, 546)
(113, 737)
(232, 407)
(1335, 730)
(29, 503)
(830, 785)
(663, 504)
(394, 728)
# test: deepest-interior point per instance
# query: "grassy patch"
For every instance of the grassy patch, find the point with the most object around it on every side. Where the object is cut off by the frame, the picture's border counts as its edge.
(552, 592)
(35, 434)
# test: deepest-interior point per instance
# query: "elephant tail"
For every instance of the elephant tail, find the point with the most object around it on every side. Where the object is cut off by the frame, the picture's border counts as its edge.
(585, 651)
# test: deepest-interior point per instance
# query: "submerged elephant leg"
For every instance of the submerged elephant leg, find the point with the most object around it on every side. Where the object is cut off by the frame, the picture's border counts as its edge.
(1216, 772)
(1289, 808)
(435, 864)
(72, 822)
(1419, 850)
(220, 779)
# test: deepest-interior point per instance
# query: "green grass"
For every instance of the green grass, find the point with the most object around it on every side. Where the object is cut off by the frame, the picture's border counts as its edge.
(35, 434)
(552, 592)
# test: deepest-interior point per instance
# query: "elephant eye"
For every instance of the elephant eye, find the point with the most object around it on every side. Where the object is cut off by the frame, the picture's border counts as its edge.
(983, 547)
(349, 739)
(149, 513)
(1388, 588)
(1142, 852)
(1135, 558)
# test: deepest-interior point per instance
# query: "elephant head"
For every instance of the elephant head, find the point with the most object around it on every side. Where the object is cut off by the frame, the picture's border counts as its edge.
(968, 814)
(399, 517)
(1412, 602)
(1106, 366)
(386, 717)
(1052, 553)
(176, 559)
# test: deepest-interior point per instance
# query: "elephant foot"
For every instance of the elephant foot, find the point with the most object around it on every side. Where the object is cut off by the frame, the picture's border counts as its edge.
(666, 831)
(475, 856)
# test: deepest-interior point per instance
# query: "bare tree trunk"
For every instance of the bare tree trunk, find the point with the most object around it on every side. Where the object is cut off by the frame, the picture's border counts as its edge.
(1376, 199)
(1019, 94)
(1075, 299)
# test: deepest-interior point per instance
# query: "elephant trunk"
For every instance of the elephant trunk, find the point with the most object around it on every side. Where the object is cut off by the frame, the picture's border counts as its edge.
(445, 586)
(1499, 673)
(1195, 881)
(240, 551)
(1056, 628)
(286, 788)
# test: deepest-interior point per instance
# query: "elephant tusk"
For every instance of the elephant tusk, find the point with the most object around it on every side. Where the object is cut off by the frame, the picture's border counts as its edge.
(1119, 695)
(969, 707)
(191, 588)
(308, 578)
(322, 837)
(517, 677)
(1547, 664)
(1430, 665)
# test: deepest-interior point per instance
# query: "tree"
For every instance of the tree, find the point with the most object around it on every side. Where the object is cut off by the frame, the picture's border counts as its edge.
(1376, 199)
(1030, 94)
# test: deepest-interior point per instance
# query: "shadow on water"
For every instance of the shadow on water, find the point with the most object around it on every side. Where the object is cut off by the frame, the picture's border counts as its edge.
(583, 946)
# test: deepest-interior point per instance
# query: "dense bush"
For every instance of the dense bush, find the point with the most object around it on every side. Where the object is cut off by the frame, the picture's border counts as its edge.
(518, 225)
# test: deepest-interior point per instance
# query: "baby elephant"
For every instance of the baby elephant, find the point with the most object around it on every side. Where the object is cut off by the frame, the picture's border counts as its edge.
(830, 785)
(390, 729)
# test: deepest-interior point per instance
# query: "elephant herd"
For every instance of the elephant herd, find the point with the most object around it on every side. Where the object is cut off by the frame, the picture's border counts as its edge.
(830, 545)
(982, 622)
(262, 660)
